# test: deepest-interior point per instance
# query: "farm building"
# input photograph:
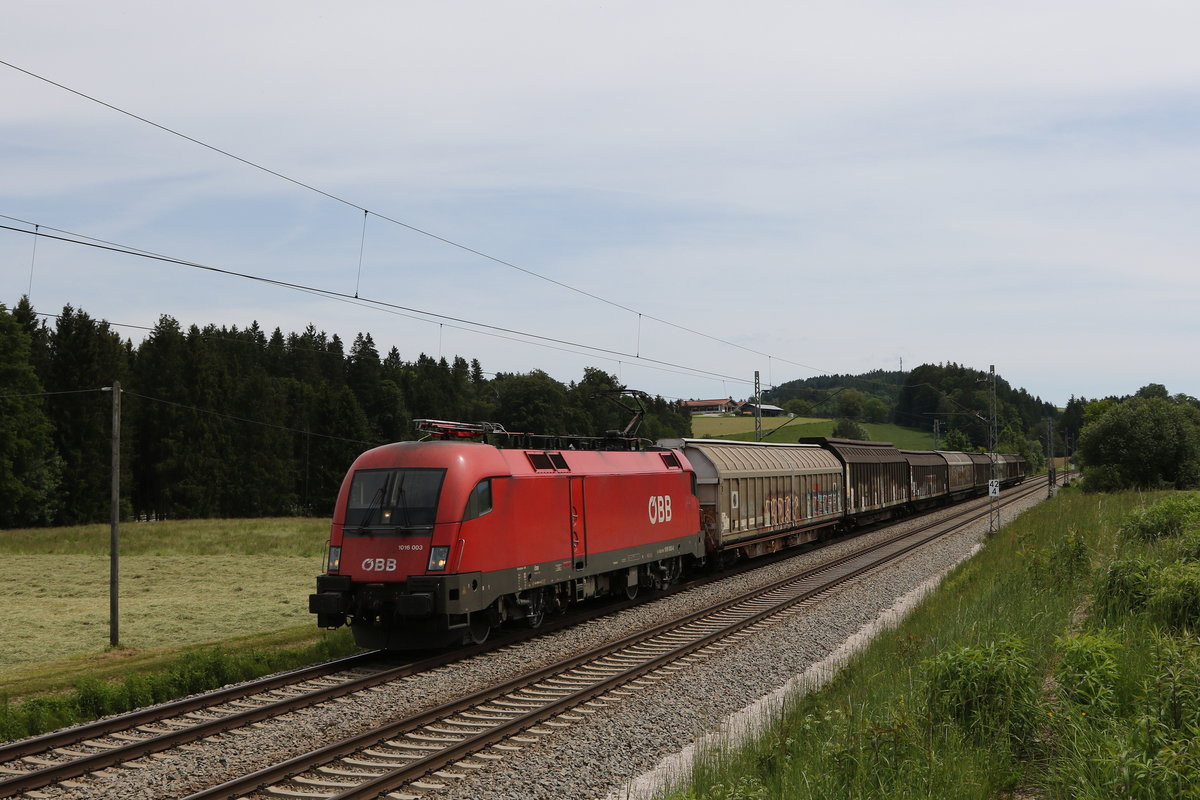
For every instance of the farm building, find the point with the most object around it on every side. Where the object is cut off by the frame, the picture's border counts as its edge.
(726, 406)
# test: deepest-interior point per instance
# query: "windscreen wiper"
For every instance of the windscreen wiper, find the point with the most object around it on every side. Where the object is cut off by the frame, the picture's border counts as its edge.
(376, 503)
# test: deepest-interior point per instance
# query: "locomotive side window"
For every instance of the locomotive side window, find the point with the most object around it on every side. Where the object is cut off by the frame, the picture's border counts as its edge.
(480, 501)
(393, 498)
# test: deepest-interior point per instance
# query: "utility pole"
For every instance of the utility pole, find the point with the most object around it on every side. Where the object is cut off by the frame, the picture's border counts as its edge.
(757, 409)
(937, 433)
(114, 543)
(994, 484)
(1052, 477)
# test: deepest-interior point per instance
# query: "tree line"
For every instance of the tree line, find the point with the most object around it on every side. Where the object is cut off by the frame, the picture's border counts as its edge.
(1148, 440)
(949, 398)
(236, 422)
(870, 397)
(959, 400)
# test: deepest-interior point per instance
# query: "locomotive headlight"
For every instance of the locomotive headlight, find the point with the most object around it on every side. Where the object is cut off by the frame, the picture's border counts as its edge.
(438, 555)
(335, 558)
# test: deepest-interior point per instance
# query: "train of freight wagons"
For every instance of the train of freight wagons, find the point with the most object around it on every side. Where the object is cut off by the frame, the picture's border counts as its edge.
(437, 542)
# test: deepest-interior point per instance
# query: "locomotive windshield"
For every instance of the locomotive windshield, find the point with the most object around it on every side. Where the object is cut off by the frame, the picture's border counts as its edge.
(393, 498)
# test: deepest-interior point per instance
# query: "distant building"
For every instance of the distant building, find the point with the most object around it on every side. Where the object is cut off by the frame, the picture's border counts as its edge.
(726, 406)
(765, 410)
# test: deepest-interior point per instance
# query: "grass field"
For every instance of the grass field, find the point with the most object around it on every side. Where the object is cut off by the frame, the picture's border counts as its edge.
(723, 426)
(182, 584)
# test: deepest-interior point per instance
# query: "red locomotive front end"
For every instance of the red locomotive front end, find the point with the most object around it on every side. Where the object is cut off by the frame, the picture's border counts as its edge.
(436, 542)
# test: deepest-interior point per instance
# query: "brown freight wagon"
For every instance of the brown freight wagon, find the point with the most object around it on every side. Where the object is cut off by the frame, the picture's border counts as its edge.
(875, 475)
(928, 477)
(758, 497)
(961, 470)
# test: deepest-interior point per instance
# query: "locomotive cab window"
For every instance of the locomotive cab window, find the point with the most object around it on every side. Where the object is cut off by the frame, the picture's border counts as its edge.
(480, 501)
(393, 498)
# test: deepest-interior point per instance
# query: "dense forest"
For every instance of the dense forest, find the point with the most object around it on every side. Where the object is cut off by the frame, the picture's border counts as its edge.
(229, 422)
(870, 397)
(953, 400)
(959, 400)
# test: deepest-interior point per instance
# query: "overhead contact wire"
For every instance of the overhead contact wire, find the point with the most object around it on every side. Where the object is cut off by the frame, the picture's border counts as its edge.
(392, 220)
(377, 303)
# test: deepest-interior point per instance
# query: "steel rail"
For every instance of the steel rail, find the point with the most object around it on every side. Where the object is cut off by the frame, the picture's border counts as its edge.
(144, 716)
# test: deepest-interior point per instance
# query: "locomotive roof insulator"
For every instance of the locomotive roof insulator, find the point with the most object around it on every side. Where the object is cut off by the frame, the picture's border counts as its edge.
(444, 429)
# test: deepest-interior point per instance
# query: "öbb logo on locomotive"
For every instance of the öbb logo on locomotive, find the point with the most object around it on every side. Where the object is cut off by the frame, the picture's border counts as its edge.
(660, 508)
(435, 543)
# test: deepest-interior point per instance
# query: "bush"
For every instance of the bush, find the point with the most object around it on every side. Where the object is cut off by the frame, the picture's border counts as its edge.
(1187, 547)
(1169, 517)
(1174, 601)
(1173, 689)
(1126, 586)
(1067, 560)
(1087, 672)
(849, 429)
(990, 692)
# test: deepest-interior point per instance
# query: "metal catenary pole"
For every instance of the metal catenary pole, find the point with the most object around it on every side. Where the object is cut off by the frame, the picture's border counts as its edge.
(994, 484)
(757, 409)
(114, 545)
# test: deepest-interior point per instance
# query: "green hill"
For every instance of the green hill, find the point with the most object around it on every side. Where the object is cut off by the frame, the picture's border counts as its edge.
(791, 430)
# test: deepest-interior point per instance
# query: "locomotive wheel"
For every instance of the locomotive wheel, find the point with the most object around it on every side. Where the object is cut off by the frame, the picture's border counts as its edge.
(479, 629)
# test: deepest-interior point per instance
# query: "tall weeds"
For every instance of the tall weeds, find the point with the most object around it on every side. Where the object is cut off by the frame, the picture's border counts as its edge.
(1061, 662)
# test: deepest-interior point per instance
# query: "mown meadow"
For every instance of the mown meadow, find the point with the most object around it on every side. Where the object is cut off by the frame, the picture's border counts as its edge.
(202, 603)
(1061, 662)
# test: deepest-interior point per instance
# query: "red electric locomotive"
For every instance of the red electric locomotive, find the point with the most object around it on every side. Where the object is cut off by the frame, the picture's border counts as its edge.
(435, 542)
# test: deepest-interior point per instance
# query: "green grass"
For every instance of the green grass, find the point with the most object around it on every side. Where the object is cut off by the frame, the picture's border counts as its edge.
(723, 426)
(742, 429)
(1006, 681)
(181, 583)
(56, 606)
(285, 536)
(202, 602)
(125, 685)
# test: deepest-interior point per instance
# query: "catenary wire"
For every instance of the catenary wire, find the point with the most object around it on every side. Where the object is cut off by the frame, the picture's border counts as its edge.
(394, 221)
(367, 302)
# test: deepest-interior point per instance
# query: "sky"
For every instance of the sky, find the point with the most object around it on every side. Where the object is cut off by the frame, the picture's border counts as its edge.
(678, 193)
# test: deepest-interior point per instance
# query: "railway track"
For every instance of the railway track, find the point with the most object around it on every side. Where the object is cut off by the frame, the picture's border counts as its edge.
(508, 709)
(426, 752)
(40, 761)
